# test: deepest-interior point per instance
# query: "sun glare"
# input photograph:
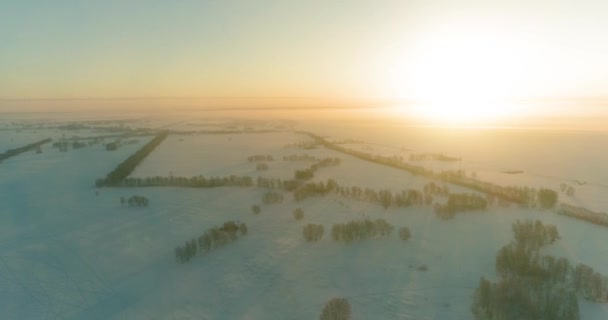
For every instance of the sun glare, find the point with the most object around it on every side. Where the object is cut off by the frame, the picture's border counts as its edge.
(462, 76)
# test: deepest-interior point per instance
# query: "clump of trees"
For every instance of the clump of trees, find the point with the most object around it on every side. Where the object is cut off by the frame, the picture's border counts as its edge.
(256, 209)
(534, 235)
(336, 309)
(260, 157)
(272, 197)
(460, 202)
(547, 198)
(404, 233)
(298, 214)
(361, 229)
(536, 286)
(312, 232)
(135, 201)
(125, 168)
(309, 173)
(213, 238)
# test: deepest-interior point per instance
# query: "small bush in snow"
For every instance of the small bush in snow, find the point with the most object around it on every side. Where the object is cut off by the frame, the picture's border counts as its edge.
(336, 309)
(404, 233)
(298, 214)
(256, 209)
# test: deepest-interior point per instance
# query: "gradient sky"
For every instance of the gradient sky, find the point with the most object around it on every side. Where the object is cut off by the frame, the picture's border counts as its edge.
(355, 49)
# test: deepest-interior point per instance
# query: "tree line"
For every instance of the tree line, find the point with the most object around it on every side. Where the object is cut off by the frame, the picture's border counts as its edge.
(300, 157)
(260, 158)
(135, 201)
(361, 229)
(524, 196)
(309, 173)
(432, 156)
(213, 238)
(13, 152)
(599, 218)
(460, 202)
(189, 182)
(125, 168)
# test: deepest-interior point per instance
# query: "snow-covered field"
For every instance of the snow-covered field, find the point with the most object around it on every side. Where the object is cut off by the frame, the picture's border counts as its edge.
(67, 253)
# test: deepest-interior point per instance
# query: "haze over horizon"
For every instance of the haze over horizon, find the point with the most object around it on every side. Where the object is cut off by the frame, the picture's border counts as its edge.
(424, 57)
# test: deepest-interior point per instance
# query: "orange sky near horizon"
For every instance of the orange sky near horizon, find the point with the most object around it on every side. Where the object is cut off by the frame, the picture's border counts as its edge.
(450, 62)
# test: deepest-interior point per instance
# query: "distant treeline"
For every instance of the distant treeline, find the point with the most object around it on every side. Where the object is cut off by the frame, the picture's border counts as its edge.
(13, 152)
(211, 239)
(361, 229)
(432, 156)
(189, 182)
(300, 157)
(524, 196)
(599, 218)
(260, 157)
(125, 168)
(460, 202)
(535, 286)
(354, 230)
(309, 173)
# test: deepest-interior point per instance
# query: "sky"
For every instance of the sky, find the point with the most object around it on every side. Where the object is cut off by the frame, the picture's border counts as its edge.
(355, 51)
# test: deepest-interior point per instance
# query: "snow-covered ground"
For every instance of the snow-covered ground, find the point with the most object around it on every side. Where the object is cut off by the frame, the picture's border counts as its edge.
(67, 253)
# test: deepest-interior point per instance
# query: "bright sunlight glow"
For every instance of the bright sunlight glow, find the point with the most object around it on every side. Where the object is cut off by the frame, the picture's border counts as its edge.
(463, 76)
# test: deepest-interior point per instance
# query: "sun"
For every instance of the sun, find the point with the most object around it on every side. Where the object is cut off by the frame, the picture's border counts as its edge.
(461, 76)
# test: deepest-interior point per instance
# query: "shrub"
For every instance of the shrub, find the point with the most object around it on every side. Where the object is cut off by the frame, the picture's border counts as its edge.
(336, 309)
(404, 233)
(256, 209)
(547, 198)
(298, 214)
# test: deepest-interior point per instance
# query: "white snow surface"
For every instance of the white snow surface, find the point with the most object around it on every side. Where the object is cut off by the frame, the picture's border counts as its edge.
(66, 253)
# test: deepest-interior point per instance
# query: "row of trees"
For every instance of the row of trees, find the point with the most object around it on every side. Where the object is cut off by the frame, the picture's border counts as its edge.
(599, 218)
(460, 202)
(124, 169)
(361, 229)
(191, 182)
(385, 197)
(300, 157)
(309, 173)
(536, 286)
(524, 196)
(432, 156)
(32, 146)
(260, 157)
(135, 201)
(313, 232)
(211, 239)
